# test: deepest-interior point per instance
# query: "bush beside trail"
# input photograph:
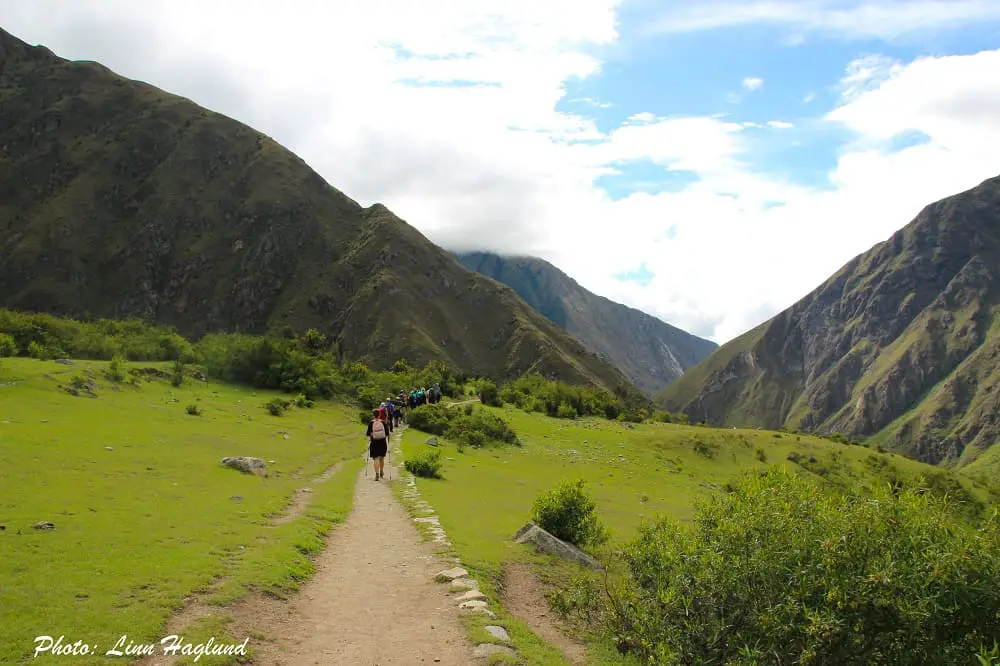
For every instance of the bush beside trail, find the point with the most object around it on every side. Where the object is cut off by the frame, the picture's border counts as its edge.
(426, 465)
(780, 566)
(569, 513)
(477, 427)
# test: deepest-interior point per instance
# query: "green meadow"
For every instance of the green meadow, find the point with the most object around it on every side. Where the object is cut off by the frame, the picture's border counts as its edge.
(144, 513)
(634, 472)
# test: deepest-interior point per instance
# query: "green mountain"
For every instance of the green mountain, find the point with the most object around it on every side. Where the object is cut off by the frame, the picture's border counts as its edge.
(120, 200)
(901, 345)
(650, 352)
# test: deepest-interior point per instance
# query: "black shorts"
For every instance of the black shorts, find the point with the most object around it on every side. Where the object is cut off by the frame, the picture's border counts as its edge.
(378, 448)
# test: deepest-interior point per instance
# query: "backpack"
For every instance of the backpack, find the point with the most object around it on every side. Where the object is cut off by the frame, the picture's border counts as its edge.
(378, 429)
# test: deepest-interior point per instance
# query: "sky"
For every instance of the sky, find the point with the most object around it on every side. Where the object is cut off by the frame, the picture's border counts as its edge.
(708, 162)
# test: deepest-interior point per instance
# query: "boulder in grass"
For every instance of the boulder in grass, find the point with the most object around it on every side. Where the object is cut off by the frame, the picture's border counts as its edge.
(547, 543)
(247, 465)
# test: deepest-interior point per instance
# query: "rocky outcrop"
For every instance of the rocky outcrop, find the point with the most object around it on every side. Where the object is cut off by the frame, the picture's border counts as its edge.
(254, 466)
(547, 543)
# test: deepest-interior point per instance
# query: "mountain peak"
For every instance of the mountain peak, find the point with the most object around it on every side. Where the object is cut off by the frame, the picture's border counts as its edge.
(120, 200)
(650, 352)
(900, 345)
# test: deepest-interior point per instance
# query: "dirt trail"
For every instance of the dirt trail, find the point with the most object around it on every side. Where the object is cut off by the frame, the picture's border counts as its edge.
(373, 599)
(524, 598)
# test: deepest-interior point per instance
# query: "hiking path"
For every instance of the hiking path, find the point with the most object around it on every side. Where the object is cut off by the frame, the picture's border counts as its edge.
(373, 599)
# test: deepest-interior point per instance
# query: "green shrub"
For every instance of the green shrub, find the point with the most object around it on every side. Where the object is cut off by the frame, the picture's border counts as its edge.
(177, 374)
(36, 350)
(489, 394)
(566, 411)
(761, 455)
(783, 566)
(117, 371)
(705, 449)
(426, 465)
(663, 417)
(476, 428)
(278, 406)
(193, 410)
(489, 427)
(370, 396)
(433, 419)
(568, 513)
(8, 346)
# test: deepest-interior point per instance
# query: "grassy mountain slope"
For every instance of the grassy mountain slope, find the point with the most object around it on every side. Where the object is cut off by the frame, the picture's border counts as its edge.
(648, 351)
(901, 345)
(120, 200)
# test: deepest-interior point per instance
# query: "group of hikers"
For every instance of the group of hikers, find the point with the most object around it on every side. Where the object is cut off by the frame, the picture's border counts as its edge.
(389, 415)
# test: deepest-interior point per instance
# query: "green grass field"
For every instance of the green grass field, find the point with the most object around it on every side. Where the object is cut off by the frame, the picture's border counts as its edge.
(633, 474)
(141, 526)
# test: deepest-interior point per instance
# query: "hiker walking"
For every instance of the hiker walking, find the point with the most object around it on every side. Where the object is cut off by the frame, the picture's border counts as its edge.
(383, 414)
(378, 442)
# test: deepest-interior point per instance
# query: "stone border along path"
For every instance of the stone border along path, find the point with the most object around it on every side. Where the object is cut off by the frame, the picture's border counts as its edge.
(468, 597)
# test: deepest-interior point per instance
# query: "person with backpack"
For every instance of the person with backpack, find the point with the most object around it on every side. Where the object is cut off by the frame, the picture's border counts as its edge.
(383, 415)
(378, 443)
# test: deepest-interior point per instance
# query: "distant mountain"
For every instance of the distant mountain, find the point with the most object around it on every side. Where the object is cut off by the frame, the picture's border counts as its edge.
(901, 345)
(120, 200)
(650, 352)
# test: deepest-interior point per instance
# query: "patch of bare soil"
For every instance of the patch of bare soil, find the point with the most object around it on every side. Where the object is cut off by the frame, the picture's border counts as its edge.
(524, 598)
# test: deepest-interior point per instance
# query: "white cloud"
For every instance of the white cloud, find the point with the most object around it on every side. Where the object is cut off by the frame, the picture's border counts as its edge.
(852, 19)
(752, 83)
(494, 166)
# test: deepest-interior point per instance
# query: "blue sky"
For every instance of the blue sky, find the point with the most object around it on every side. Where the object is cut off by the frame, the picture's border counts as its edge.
(622, 140)
(701, 74)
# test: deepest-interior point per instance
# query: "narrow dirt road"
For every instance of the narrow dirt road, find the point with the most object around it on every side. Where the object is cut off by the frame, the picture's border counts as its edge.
(373, 599)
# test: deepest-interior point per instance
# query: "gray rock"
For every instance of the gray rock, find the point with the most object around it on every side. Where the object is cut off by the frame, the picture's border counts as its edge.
(432, 441)
(472, 595)
(44, 526)
(547, 543)
(108, 448)
(452, 574)
(247, 465)
(473, 605)
(483, 610)
(465, 583)
(64, 361)
(498, 632)
(490, 649)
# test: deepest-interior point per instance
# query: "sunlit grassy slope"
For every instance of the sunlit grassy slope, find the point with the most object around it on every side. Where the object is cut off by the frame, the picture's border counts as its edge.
(633, 474)
(144, 513)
